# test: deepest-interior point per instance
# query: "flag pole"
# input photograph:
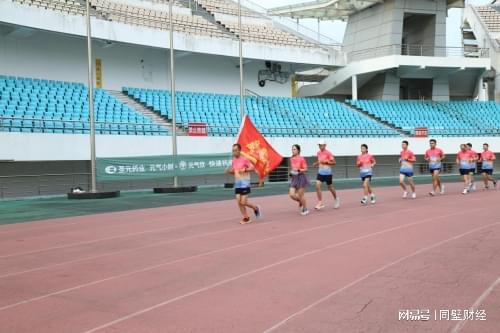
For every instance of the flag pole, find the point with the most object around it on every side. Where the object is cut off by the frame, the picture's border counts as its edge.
(172, 88)
(93, 185)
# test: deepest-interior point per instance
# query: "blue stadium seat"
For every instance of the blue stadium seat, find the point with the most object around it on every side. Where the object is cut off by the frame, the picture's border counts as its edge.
(273, 115)
(464, 118)
(45, 106)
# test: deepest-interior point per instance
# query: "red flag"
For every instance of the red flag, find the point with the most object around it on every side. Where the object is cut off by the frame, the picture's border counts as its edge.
(256, 149)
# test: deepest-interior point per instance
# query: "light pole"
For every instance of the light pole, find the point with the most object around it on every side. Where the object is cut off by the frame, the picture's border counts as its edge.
(242, 97)
(90, 83)
(172, 88)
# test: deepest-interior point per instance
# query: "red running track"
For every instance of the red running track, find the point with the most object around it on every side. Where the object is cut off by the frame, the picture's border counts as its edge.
(195, 269)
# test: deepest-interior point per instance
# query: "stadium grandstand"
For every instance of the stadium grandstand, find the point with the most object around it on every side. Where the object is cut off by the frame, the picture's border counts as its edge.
(170, 110)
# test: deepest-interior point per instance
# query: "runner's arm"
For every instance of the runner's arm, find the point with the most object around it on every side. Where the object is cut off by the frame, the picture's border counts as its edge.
(304, 167)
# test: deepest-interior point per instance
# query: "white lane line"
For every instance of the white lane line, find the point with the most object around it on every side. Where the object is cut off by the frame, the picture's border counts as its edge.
(281, 262)
(145, 269)
(460, 325)
(330, 295)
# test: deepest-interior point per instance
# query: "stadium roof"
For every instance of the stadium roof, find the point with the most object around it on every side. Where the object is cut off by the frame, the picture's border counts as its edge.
(334, 9)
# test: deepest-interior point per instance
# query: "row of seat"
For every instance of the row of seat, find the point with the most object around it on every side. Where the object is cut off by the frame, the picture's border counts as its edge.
(39, 106)
(257, 29)
(65, 127)
(265, 33)
(188, 23)
(225, 7)
(490, 15)
(67, 6)
(158, 19)
(43, 106)
(276, 116)
(464, 118)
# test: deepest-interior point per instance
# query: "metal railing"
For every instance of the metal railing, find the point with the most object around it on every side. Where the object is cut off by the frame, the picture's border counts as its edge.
(302, 132)
(215, 130)
(37, 125)
(309, 34)
(463, 132)
(40, 184)
(36, 184)
(341, 170)
(349, 171)
(416, 50)
(274, 107)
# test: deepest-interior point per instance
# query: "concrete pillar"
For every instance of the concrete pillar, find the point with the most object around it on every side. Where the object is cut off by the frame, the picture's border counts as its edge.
(482, 94)
(354, 88)
(391, 86)
(497, 87)
(441, 88)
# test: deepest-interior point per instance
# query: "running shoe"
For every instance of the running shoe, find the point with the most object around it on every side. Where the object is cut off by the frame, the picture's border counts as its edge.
(373, 199)
(405, 195)
(246, 220)
(258, 212)
(364, 201)
(442, 189)
(414, 195)
(304, 212)
(465, 191)
(319, 206)
(432, 193)
(336, 204)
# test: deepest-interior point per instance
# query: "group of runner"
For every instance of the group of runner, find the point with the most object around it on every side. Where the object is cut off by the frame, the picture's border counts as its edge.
(467, 160)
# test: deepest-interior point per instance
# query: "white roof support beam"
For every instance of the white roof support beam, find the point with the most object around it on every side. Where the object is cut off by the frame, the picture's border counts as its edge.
(334, 9)
(324, 9)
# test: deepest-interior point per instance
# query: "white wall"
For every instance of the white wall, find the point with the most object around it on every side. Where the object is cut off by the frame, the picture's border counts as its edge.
(53, 147)
(61, 57)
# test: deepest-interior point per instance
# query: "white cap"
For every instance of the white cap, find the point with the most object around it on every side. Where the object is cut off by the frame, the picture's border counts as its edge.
(321, 142)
